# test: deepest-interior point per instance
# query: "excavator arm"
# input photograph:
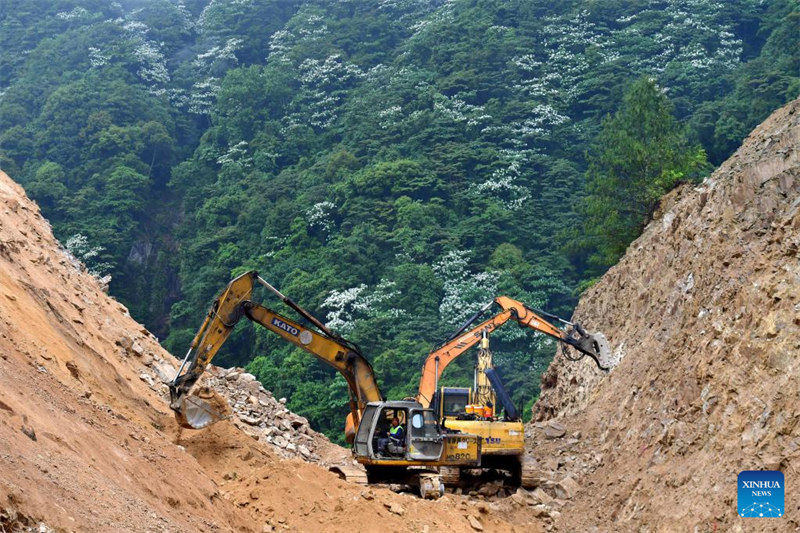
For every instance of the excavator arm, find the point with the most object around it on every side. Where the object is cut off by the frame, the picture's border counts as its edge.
(593, 345)
(235, 303)
(351, 364)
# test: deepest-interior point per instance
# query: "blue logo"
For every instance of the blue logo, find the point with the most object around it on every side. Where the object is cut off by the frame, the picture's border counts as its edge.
(761, 494)
(277, 322)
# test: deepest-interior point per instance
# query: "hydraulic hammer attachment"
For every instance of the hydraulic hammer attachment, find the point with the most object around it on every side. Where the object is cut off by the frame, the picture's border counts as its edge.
(595, 345)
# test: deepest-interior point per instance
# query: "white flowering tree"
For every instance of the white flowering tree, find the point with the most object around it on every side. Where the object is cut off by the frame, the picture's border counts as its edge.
(361, 303)
(320, 217)
(465, 292)
(79, 247)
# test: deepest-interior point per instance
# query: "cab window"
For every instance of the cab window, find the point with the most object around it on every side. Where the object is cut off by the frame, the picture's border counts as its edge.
(455, 403)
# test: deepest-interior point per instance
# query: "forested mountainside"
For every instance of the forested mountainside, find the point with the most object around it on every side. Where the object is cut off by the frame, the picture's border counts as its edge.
(391, 165)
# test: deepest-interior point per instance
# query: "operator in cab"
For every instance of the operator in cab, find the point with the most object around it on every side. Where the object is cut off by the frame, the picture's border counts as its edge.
(395, 443)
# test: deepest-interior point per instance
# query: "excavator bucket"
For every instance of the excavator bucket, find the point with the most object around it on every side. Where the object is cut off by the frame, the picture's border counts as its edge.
(201, 409)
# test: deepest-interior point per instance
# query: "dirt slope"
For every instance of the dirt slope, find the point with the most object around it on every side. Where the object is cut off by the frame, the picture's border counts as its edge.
(704, 311)
(87, 442)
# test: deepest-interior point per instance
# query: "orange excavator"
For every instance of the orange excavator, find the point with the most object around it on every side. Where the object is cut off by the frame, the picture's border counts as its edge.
(475, 410)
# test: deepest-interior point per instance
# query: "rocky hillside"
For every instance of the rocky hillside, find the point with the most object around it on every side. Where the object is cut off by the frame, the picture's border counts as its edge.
(704, 313)
(88, 443)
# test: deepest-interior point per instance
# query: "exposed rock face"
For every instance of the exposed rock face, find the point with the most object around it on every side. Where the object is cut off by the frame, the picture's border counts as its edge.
(704, 312)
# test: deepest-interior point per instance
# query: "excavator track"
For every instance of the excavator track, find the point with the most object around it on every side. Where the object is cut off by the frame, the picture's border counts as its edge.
(530, 474)
(451, 475)
(351, 473)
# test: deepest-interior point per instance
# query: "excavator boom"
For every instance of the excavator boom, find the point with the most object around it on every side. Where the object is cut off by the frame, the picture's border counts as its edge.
(234, 303)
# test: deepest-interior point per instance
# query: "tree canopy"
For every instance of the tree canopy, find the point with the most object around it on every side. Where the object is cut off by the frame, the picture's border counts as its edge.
(640, 154)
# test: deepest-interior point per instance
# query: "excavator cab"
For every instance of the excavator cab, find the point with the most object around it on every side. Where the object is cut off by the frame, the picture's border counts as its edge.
(424, 441)
(451, 402)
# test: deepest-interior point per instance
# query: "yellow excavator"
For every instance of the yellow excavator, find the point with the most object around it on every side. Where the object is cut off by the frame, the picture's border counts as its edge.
(475, 410)
(418, 451)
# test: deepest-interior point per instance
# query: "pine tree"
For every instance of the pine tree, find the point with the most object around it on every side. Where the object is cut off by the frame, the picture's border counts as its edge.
(640, 154)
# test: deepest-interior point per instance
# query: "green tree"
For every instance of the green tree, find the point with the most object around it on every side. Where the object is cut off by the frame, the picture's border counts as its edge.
(48, 186)
(640, 154)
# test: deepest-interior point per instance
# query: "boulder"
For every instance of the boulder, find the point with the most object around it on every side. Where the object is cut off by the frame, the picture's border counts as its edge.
(304, 451)
(137, 349)
(147, 379)
(475, 523)
(126, 342)
(566, 488)
(164, 371)
(395, 508)
(251, 420)
(540, 496)
(554, 429)
(520, 497)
